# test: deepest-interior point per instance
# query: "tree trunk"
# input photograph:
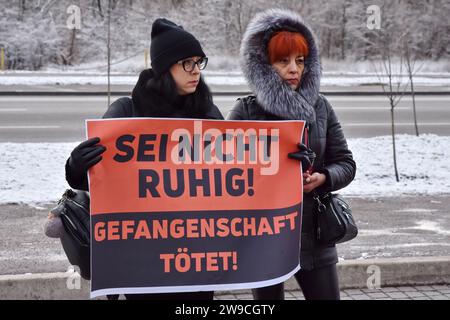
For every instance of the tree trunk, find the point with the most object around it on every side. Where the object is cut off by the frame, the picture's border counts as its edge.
(71, 47)
(22, 10)
(413, 95)
(393, 142)
(344, 22)
(410, 63)
(99, 4)
(109, 53)
(328, 44)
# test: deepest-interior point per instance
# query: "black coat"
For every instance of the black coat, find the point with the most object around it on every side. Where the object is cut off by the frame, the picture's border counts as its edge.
(333, 158)
(147, 102)
(274, 100)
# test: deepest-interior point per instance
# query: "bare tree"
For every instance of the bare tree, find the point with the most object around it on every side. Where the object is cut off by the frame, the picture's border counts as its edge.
(393, 89)
(236, 15)
(100, 11)
(410, 49)
(340, 26)
(109, 52)
(411, 69)
(67, 59)
(22, 9)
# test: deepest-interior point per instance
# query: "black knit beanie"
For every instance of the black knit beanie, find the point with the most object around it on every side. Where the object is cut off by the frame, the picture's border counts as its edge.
(171, 43)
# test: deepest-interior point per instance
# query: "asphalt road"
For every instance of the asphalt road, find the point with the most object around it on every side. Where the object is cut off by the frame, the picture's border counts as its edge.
(61, 118)
(389, 227)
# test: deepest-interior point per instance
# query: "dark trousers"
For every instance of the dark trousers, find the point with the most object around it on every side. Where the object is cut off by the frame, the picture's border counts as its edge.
(316, 284)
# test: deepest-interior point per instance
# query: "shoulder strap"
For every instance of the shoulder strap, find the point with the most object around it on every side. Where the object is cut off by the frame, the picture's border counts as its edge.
(121, 108)
(306, 134)
(127, 102)
(247, 101)
(306, 143)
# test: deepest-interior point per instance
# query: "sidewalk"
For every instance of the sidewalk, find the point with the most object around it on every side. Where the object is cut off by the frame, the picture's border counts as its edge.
(426, 278)
(433, 292)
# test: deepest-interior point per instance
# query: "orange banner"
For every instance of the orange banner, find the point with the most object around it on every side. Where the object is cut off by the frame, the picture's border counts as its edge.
(142, 162)
(164, 184)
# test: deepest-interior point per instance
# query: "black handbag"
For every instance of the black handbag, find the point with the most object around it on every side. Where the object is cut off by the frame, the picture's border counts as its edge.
(73, 208)
(335, 223)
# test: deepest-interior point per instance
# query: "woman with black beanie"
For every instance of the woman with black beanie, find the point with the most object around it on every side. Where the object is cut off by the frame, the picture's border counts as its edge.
(172, 88)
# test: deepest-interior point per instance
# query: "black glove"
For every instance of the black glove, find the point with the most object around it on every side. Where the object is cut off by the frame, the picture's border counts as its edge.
(85, 155)
(305, 155)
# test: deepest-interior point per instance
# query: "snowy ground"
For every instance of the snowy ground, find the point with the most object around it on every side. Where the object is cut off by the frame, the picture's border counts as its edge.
(33, 173)
(212, 78)
(225, 71)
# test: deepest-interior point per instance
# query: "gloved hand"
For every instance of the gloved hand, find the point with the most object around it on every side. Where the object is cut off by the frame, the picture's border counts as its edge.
(85, 155)
(305, 155)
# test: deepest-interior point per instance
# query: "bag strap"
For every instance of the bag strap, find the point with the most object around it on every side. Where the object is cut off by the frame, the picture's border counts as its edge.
(306, 143)
(316, 196)
(305, 134)
(321, 207)
(128, 106)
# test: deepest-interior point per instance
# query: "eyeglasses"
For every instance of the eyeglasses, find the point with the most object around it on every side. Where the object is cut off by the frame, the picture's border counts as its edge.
(189, 64)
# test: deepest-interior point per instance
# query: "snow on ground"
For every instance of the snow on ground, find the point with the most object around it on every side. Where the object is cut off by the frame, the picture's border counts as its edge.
(423, 165)
(226, 63)
(223, 70)
(34, 172)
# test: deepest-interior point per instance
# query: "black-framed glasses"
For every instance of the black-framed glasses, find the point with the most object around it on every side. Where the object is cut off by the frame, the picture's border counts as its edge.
(189, 64)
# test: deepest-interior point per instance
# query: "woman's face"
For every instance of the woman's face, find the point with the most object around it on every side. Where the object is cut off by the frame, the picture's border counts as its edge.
(186, 81)
(290, 69)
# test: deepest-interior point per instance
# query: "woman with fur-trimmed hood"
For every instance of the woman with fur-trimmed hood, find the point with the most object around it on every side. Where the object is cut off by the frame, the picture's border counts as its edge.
(281, 62)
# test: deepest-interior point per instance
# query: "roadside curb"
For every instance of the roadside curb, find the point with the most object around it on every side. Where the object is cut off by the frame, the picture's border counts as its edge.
(352, 274)
(392, 272)
(368, 89)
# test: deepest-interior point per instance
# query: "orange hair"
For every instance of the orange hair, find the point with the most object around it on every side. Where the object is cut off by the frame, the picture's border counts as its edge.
(284, 43)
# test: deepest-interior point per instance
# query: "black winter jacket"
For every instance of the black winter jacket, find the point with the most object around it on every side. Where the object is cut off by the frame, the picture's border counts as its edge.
(273, 99)
(146, 102)
(333, 158)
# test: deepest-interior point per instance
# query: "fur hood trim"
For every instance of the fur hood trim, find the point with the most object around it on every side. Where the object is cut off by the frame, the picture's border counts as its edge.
(273, 94)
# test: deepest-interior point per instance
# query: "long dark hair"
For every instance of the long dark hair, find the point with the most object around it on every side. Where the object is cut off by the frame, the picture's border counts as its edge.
(194, 105)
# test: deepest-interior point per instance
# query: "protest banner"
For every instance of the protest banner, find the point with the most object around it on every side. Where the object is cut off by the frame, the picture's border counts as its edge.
(182, 205)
